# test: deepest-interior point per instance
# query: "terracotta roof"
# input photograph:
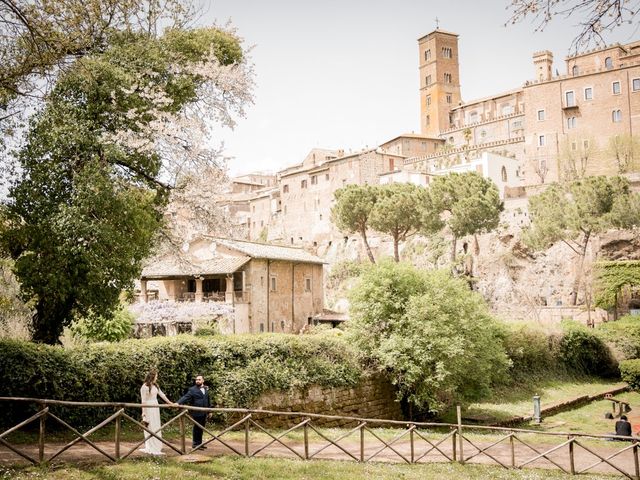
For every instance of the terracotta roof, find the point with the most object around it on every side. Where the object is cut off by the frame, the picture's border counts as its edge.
(173, 265)
(271, 252)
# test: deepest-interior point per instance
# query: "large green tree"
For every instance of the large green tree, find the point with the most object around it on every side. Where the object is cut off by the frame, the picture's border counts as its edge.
(398, 212)
(463, 204)
(574, 212)
(432, 336)
(100, 158)
(352, 211)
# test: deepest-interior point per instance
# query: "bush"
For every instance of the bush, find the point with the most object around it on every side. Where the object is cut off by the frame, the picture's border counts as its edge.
(623, 336)
(238, 369)
(433, 336)
(344, 270)
(207, 331)
(105, 329)
(532, 352)
(630, 372)
(581, 350)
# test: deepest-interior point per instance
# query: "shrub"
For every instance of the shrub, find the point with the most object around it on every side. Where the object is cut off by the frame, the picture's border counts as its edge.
(630, 372)
(105, 329)
(623, 336)
(583, 351)
(426, 330)
(344, 270)
(238, 369)
(532, 352)
(208, 331)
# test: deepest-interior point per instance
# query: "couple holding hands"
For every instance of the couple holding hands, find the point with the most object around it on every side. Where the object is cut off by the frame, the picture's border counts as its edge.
(197, 396)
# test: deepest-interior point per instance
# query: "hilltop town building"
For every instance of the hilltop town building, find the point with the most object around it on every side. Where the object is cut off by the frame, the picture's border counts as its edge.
(272, 288)
(553, 127)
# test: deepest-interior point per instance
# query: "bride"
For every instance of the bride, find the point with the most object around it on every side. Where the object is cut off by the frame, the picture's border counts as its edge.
(149, 393)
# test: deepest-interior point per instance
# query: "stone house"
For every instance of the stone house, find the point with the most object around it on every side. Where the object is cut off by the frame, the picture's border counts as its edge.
(272, 288)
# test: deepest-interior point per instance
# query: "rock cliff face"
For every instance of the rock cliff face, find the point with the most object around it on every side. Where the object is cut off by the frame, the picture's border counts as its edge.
(517, 283)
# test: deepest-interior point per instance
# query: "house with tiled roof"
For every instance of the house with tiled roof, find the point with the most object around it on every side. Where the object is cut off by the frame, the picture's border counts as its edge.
(272, 288)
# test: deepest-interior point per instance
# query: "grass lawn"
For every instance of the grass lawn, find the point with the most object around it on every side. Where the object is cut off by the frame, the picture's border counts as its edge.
(590, 418)
(518, 400)
(258, 469)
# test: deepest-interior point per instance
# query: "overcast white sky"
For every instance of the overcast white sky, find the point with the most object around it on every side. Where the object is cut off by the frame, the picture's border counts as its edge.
(344, 73)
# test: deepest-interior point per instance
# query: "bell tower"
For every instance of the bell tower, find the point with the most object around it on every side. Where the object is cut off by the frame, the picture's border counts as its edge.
(439, 80)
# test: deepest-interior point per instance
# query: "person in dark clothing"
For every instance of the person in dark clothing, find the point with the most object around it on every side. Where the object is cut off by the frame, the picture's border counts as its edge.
(197, 396)
(623, 427)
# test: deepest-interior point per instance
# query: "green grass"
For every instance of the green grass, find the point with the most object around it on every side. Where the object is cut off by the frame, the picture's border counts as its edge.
(517, 400)
(590, 418)
(259, 469)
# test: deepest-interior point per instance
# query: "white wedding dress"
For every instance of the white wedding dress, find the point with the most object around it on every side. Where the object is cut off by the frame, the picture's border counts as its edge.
(149, 396)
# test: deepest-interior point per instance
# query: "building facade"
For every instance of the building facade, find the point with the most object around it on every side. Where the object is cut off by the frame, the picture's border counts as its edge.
(272, 288)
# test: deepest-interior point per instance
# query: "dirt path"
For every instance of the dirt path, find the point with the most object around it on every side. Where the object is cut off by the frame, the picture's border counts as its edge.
(84, 453)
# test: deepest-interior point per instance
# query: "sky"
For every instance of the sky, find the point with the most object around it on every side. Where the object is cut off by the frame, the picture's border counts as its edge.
(344, 74)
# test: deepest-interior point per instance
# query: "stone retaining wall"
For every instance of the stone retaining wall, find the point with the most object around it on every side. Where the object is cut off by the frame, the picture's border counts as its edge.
(372, 398)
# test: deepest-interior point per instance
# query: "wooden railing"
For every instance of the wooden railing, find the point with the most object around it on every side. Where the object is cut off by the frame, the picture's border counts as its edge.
(412, 444)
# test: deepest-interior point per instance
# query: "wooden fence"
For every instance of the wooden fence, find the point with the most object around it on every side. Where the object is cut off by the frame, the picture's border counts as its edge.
(415, 442)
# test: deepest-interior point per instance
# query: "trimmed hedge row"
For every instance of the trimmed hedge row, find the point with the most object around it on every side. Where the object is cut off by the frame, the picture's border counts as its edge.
(238, 369)
(577, 350)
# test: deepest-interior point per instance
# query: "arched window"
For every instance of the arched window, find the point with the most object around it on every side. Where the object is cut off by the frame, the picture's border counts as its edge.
(616, 116)
(608, 63)
(503, 174)
(427, 55)
(575, 70)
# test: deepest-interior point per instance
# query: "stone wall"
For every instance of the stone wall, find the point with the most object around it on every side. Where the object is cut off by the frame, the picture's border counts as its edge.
(372, 398)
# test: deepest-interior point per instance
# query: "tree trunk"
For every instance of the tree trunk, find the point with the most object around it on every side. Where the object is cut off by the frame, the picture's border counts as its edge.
(396, 254)
(454, 242)
(48, 321)
(363, 233)
(578, 277)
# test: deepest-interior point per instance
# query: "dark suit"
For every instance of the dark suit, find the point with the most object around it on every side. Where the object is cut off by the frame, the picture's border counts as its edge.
(196, 398)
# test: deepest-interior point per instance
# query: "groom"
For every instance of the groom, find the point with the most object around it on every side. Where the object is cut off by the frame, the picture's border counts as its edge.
(197, 396)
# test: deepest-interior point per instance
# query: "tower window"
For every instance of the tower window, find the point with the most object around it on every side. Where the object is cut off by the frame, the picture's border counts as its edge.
(588, 93)
(427, 55)
(428, 100)
(446, 52)
(570, 99)
(448, 98)
(616, 116)
(615, 87)
(608, 63)
(575, 70)
(447, 78)
(428, 120)
(503, 174)
(571, 122)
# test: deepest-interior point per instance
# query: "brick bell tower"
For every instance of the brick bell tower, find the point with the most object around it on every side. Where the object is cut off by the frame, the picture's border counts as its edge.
(439, 80)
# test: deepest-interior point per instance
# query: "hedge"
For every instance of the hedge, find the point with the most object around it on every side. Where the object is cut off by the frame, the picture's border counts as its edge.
(630, 372)
(577, 350)
(238, 369)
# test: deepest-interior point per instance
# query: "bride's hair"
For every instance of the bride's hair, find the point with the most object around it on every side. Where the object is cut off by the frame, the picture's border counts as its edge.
(149, 379)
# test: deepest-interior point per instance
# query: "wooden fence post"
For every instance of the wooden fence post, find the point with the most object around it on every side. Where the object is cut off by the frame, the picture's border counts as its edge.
(460, 439)
(305, 430)
(362, 441)
(572, 465)
(117, 446)
(246, 437)
(513, 451)
(635, 459)
(183, 443)
(453, 445)
(411, 442)
(43, 420)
